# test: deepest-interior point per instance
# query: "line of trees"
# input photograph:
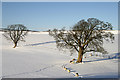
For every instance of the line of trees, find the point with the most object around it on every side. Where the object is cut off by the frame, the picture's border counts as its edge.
(85, 36)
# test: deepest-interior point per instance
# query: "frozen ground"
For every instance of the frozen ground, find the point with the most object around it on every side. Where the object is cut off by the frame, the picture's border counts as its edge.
(38, 57)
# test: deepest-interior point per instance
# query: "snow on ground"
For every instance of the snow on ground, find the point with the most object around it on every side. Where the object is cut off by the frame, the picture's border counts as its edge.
(0, 55)
(38, 57)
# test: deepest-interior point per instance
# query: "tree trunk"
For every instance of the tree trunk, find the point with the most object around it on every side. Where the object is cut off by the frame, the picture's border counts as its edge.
(80, 56)
(15, 45)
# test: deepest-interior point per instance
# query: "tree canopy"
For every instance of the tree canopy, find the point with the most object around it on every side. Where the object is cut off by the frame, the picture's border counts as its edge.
(85, 36)
(16, 33)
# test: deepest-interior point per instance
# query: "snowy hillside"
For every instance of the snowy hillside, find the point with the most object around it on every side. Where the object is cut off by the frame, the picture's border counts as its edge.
(38, 57)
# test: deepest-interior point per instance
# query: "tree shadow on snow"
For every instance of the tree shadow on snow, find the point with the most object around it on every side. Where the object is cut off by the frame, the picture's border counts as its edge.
(113, 56)
(40, 43)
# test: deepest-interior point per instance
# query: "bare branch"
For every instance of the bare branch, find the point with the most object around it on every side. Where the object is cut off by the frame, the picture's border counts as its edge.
(16, 33)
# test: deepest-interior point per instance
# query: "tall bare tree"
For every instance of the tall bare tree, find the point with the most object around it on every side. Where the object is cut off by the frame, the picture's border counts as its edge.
(16, 33)
(85, 36)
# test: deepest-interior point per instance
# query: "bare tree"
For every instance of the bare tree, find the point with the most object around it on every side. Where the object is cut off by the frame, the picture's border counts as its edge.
(85, 36)
(16, 33)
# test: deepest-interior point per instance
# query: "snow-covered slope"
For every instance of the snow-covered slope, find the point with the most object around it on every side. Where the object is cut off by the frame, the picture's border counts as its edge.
(38, 57)
(0, 55)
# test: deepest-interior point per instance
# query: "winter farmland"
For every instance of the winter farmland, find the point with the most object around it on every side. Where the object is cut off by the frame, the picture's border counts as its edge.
(38, 57)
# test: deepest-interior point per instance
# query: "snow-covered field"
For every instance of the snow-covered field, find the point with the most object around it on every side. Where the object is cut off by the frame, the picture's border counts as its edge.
(0, 55)
(38, 57)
